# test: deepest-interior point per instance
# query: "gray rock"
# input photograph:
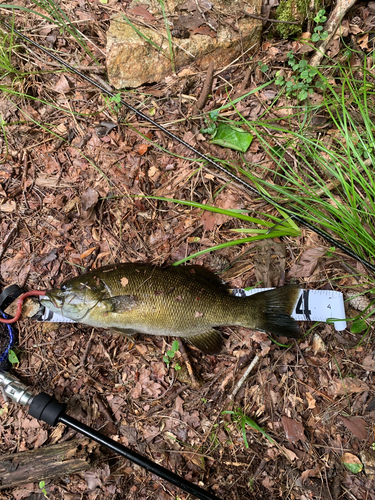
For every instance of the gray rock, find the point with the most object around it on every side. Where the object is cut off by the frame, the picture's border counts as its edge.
(132, 61)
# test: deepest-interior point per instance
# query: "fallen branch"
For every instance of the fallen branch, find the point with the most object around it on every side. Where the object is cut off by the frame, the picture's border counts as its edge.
(331, 26)
(244, 377)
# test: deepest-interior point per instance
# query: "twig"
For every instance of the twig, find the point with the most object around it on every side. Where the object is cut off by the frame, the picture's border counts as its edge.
(331, 26)
(8, 238)
(207, 87)
(88, 347)
(244, 377)
(56, 340)
(167, 400)
(185, 357)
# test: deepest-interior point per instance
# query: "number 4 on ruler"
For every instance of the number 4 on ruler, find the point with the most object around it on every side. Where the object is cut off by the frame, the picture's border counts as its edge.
(302, 306)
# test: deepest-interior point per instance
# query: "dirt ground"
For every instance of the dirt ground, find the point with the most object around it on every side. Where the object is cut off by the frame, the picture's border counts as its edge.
(71, 187)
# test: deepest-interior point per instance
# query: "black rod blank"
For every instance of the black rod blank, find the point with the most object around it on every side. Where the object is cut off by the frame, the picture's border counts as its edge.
(137, 459)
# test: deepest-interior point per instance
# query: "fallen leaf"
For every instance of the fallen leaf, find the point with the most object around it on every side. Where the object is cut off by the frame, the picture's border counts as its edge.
(198, 314)
(41, 438)
(309, 473)
(204, 30)
(142, 12)
(293, 430)
(86, 253)
(62, 85)
(352, 462)
(356, 425)
(368, 362)
(311, 401)
(355, 30)
(124, 281)
(291, 455)
(348, 385)
(208, 220)
(89, 199)
(363, 41)
(142, 149)
(307, 263)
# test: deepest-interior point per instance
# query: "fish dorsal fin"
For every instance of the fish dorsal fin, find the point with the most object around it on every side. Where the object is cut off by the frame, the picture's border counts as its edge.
(121, 303)
(210, 342)
(203, 273)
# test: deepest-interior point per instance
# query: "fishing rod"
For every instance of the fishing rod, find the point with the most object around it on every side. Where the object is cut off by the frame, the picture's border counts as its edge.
(210, 162)
(47, 409)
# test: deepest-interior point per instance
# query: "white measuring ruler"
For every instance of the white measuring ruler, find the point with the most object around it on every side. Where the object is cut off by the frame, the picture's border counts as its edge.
(312, 305)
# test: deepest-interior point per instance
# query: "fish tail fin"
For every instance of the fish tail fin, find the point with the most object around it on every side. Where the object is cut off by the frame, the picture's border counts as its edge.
(277, 306)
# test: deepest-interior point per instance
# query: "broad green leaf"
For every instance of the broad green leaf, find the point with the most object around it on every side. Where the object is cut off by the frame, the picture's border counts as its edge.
(13, 357)
(232, 137)
(358, 326)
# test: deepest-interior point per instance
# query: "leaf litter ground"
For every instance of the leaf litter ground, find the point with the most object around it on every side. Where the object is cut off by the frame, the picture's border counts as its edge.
(72, 185)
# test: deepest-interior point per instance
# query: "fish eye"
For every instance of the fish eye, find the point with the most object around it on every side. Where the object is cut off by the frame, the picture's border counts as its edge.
(63, 288)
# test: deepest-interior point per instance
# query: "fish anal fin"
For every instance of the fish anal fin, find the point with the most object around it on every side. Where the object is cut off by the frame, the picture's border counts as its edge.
(127, 332)
(210, 342)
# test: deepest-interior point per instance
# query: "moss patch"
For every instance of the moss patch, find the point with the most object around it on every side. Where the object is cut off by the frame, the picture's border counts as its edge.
(291, 10)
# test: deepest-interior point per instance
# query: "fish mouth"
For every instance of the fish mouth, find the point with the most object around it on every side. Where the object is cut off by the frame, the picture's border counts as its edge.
(54, 302)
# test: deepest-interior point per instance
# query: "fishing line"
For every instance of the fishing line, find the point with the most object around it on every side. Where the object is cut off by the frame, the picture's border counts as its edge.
(210, 162)
(32, 293)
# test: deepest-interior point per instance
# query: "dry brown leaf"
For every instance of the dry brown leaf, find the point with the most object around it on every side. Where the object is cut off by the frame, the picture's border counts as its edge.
(356, 425)
(307, 263)
(355, 30)
(9, 206)
(309, 473)
(349, 458)
(142, 149)
(89, 199)
(142, 12)
(369, 362)
(62, 85)
(86, 253)
(363, 41)
(311, 401)
(204, 30)
(208, 220)
(293, 430)
(339, 387)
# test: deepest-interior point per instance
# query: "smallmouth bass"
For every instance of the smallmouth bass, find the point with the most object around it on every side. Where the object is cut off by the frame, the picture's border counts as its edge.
(182, 301)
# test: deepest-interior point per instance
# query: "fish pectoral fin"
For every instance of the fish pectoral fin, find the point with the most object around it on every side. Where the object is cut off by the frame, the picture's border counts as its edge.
(127, 332)
(120, 303)
(210, 342)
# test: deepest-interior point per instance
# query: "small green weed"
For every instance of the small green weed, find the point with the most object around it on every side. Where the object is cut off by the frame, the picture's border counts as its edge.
(42, 485)
(319, 34)
(301, 83)
(170, 354)
(116, 100)
(263, 67)
(12, 357)
(243, 420)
